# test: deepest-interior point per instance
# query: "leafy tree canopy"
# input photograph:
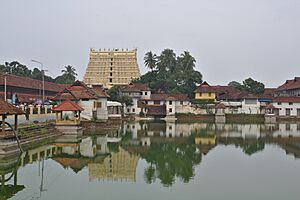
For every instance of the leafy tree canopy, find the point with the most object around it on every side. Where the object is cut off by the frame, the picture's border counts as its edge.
(68, 74)
(171, 74)
(249, 85)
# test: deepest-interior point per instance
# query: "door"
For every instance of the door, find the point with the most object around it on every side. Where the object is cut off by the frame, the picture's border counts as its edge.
(288, 112)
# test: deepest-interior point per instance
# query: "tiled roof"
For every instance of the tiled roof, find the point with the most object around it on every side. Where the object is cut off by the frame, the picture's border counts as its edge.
(287, 99)
(9, 109)
(164, 96)
(136, 87)
(67, 106)
(220, 106)
(290, 84)
(24, 82)
(79, 90)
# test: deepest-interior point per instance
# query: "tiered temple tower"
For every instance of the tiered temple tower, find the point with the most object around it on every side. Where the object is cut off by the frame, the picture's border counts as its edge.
(111, 67)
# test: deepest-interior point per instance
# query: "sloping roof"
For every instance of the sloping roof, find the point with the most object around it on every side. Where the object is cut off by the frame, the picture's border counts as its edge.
(9, 109)
(136, 87)
(206, 88)
(24, 82)
(79, 90)
(165, 96)
(290, 84)
(287, 99)
(67, 106)
(220, 106)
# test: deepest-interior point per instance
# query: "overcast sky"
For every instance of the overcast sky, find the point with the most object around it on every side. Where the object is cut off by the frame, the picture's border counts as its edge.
(230, 39)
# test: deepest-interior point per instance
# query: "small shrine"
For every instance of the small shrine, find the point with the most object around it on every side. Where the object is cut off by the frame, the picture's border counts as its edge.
(72, 113)
(68, 118)
(7, 109)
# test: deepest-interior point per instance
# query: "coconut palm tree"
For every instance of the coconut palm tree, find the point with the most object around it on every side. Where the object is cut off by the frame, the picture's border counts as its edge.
(69, 72)
(150, 60)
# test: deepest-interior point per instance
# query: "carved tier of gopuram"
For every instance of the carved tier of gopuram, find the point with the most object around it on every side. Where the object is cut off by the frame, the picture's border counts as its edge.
(109, 67)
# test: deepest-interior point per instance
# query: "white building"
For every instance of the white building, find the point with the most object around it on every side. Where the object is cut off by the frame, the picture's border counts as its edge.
(92, 99)
(287, 106)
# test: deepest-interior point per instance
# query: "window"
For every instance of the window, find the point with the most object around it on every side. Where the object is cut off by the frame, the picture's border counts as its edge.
(146, 102)
(200, 94)
(111, 59)
(170, 102)
(110, 73)
(146, 93)
(133, 110)
(128, 110)
(250, 101)
(156, 102)
(290, 103)
(170, 127)
(141, 93)
(111, 63)
(279, 103)
(209, 94)
(110, 80)
(111, 69)
(97, 104)
(170, 110)
(181, 102)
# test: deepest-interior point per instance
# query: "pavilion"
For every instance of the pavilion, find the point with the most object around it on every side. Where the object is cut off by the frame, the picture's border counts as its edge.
(5, 110)
(72, 109)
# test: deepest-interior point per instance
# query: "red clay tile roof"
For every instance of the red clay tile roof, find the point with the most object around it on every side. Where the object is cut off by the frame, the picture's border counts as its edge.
(9, 109)
(206, 88)
(24, 82)
(287, 99)
(79, 90)
(136, 87)
(220, 106)
(67, 106)
(164, 96)
(290, 84)
(270, 106)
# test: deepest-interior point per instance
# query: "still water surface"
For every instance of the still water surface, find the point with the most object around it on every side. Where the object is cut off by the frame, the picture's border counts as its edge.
(156, 160)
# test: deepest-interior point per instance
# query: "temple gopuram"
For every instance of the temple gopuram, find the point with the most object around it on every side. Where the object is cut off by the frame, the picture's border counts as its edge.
(109, 67)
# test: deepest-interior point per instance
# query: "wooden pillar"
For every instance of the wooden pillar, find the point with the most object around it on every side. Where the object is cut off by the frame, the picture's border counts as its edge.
(61, 115)
(16, 122)
(3, 124)
(56, 113)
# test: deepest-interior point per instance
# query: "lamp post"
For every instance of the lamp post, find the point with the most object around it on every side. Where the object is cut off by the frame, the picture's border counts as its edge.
(5, 85)
(43, 78)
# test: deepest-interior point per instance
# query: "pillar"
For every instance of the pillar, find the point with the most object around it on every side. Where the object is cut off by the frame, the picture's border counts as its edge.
(16, 122)
(3, 124)
(56, 113)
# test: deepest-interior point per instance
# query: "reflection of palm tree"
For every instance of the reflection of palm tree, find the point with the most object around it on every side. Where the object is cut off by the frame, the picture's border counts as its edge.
(149, 174)
(170, 161)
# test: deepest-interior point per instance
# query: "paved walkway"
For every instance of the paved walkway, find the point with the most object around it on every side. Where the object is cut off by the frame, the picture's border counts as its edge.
(32, 118)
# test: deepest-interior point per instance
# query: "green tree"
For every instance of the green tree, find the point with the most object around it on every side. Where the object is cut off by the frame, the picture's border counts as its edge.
(173, 74)
(150, 60)
(68, 76)
(114, 93)
(253, 86)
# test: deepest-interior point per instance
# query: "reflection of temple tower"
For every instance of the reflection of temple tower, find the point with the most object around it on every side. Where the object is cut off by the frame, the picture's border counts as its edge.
(112, 67)
(117, 166)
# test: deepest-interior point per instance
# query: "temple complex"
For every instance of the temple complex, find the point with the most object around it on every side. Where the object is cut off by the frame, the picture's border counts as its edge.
(109, 67)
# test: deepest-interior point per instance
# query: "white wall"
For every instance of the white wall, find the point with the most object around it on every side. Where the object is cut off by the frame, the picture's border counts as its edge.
(251, 108)
(282, 108)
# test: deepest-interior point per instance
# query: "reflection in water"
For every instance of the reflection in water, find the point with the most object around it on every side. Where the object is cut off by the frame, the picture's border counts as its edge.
(171, 151)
